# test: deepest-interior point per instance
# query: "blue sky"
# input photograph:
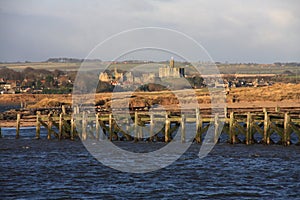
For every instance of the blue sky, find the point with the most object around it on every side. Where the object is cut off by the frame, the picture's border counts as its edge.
(263, 31)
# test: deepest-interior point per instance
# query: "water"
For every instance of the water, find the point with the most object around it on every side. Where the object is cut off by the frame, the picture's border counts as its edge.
(41, 169)
(5, 107)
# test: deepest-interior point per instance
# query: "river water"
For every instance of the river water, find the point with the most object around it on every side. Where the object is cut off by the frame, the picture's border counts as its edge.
(42, 169)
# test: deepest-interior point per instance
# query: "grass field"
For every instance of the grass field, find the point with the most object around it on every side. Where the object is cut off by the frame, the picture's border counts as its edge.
(223, 68)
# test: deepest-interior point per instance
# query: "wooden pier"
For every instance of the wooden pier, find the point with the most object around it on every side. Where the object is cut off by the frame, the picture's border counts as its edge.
(245, 125)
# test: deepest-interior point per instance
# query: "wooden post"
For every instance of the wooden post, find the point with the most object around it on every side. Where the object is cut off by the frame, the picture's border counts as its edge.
(72, 128)
(264, 110)
(49, 126)
(38, 126)
(18, 125)
(167, 129)
(76, 109)
(110, 127)
(151, 126)
(231, 128)
(287, 131)
(84, 126)
(97, 127)
(249, 129)
(60, 126)
(182, 128)
(198, 126)
(225, 112)
(216, 136)
(136, 125)
(63, 109)
(266, 137)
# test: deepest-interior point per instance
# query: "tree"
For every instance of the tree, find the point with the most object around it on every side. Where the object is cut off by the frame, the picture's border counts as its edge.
(49, 81)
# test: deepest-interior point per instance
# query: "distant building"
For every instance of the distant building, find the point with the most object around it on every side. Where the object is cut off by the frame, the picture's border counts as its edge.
(171, 71)
(128, 77)
(115, 78)
(148, 77)
(104, 77)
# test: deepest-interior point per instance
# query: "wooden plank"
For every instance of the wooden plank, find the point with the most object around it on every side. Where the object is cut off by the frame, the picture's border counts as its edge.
(240, 128)
(295, 129)
(257, 128)
(276, 129)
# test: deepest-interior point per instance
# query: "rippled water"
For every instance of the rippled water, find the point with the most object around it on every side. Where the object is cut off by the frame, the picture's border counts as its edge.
(5, 107)
(41, 169)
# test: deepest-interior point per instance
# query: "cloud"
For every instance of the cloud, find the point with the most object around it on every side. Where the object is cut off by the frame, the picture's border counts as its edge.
(230, 30)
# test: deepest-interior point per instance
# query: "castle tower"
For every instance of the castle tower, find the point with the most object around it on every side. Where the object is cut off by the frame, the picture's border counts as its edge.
(172, 62)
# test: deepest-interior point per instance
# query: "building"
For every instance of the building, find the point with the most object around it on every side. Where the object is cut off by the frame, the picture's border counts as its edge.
(104, 77)
(115, 78)
(171, 71)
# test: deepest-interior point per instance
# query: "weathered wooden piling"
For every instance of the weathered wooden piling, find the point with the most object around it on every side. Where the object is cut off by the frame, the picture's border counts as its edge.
(232, 138)
(110, 122)
(60, 126)
(216, 125)
(38, 126)
(49, 126)
(136, 126)
(183, 128)
(63, 109)
(287, 130)
(167, 129)
(97, 124)
(198, 126)
(72, 130)
(18, 125)
(266, 137)
(151, 126)
(249, 129)
(84, 126)
(225, 112)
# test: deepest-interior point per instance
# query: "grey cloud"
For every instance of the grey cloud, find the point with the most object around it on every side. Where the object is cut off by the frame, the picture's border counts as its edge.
(242, 31)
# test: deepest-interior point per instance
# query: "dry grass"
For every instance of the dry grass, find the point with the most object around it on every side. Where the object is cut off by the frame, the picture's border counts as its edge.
(278, 94)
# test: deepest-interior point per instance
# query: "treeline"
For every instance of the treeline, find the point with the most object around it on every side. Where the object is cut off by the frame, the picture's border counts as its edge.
(71, 60)
(29, 73)
(295, 64)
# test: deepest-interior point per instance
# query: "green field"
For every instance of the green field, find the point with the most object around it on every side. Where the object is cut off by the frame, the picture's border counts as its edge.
(148, 67)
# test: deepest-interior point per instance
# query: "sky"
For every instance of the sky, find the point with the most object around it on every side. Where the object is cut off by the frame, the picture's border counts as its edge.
(260, 31)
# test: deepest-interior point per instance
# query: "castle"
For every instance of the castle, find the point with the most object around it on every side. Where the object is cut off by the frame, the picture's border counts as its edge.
(171, 71)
